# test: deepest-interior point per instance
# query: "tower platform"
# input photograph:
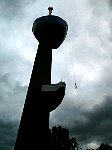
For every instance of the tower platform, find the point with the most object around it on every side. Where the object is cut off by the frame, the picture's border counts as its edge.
(54, 93)
(51, 28)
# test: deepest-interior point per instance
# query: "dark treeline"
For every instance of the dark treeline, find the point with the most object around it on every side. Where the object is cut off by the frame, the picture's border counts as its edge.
(59, 139)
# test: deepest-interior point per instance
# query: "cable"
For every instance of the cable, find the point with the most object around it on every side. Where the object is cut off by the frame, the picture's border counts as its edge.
(80, 118)
(71, 64)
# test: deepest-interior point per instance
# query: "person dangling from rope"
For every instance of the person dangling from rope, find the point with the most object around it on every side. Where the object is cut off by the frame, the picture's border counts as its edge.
(75, 85)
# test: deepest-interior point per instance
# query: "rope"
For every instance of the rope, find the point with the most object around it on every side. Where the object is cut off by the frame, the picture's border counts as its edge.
(68, 54)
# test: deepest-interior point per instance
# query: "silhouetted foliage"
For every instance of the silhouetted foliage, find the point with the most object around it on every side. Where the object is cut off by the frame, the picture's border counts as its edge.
(104, 146)
(59, 139)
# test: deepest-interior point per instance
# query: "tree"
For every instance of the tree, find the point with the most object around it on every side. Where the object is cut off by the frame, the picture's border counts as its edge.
(104, 146)
(74, 143)
(59, 139)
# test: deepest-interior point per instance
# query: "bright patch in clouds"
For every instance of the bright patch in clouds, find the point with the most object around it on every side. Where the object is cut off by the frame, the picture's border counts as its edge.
(88, 73)
(92, 144)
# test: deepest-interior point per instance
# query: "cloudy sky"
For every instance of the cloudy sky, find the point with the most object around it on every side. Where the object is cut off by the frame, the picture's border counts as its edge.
(84, 58)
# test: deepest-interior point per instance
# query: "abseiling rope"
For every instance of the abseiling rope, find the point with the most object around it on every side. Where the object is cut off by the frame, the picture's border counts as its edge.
(77, 111)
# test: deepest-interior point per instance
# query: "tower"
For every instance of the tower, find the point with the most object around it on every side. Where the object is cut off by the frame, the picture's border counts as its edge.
(42, 96)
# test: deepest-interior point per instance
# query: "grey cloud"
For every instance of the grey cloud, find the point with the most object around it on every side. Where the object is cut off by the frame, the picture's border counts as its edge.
(8, 132)
(12, 95)
(96, 124)
(12, 9)
(100, 8)
(110, 4)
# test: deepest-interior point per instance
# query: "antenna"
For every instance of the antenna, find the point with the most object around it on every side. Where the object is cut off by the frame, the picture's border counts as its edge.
(50, 10)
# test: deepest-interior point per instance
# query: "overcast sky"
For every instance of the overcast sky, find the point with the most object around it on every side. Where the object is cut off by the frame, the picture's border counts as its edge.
(84, 58)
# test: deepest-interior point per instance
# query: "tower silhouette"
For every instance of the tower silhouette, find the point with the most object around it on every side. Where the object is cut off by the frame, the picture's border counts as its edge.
(42, 96)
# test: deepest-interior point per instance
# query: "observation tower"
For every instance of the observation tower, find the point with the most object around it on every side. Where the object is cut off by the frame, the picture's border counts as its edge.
(42, 96)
